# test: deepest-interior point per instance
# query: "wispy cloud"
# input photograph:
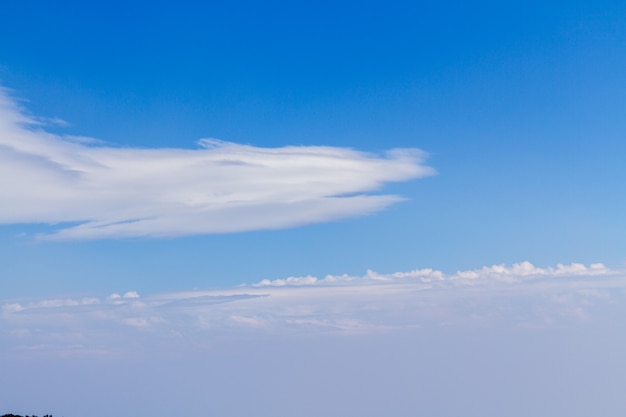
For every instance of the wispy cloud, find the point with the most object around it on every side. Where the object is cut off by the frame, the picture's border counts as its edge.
(514, 295)
(109, 192)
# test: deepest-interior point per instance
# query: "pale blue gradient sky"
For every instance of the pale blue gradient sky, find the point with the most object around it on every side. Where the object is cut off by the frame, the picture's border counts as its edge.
(519, 108)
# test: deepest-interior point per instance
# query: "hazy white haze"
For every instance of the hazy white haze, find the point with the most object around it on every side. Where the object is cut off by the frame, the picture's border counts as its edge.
(333, 346)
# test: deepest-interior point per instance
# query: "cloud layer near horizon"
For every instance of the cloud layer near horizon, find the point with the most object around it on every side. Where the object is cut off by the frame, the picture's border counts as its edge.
(517, 295)
(221, 187)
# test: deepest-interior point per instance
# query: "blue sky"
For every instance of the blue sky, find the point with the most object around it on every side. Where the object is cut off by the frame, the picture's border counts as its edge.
(155, 149)
(519, 107)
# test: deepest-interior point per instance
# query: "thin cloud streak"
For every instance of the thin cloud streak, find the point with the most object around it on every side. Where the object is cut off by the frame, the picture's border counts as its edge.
(94, 191)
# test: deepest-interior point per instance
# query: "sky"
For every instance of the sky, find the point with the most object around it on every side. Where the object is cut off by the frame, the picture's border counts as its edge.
(333, 208)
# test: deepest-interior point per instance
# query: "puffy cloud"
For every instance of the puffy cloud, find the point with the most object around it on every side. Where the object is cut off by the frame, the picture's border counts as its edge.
(513, 273)
(131, 294)
(96, 191)
(526, 269)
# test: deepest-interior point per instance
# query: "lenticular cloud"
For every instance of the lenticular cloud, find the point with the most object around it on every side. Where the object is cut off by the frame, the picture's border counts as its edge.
(95, 191)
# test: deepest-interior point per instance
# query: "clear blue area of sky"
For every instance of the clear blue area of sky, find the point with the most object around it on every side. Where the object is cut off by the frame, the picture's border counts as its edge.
(521, 106)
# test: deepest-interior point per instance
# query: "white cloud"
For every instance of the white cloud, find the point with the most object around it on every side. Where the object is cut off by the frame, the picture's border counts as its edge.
(137, 322)
(505, 273)
(511, 295)
(131, 294)
(221, 187)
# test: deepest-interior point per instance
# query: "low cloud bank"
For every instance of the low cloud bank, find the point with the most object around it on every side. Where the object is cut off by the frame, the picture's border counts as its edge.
(510, 295)
(94, 191)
